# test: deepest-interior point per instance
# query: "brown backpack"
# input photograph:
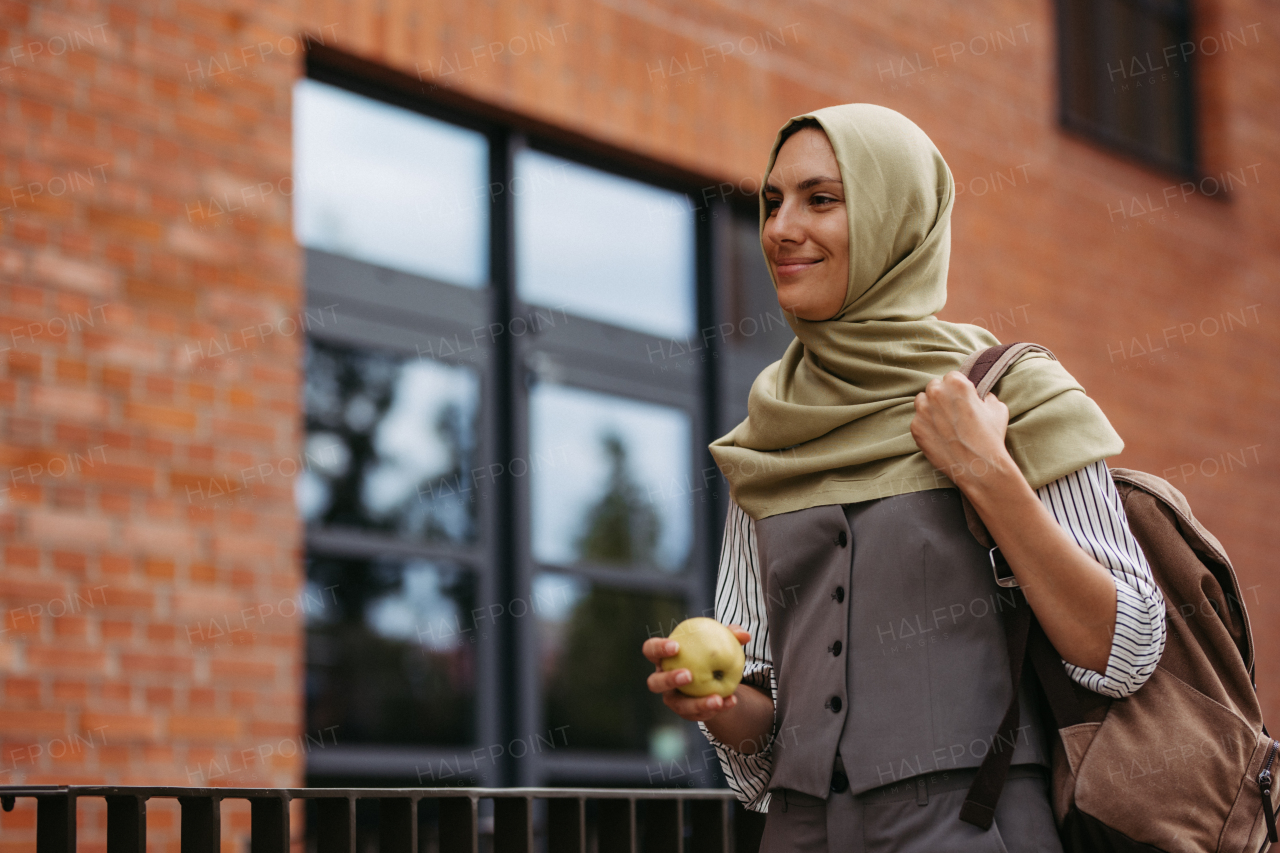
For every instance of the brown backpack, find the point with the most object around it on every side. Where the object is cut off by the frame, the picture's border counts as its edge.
(1184, 763)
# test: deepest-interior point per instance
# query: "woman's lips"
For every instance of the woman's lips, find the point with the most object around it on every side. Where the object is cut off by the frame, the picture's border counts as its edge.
(795, 265)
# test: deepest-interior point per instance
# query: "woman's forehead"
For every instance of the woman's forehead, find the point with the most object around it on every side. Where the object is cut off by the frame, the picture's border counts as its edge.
(804, 156)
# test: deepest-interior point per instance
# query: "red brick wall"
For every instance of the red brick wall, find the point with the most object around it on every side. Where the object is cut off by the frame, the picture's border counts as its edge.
(130, 130)
(116, 274)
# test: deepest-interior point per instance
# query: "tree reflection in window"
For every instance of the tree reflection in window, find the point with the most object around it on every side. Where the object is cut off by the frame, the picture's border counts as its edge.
(623, 527)
(391, 654)
(594, 677)
(389, 442)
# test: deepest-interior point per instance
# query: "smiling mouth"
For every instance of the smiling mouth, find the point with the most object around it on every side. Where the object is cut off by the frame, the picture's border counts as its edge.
(794, 266)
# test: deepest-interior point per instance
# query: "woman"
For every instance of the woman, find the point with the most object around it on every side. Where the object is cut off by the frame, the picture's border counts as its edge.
(876, 667)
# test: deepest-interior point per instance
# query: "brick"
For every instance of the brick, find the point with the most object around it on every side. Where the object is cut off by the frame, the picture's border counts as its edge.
(136, 476)
(115, 564)
(242, 669)
(25, 691)
(160, 295)
(119, 595)
(91, 279)
(64, 527)
(63, 402)
(135, 663)
(35, 722)
(116, 379)
(161, 416)
(25, 364)
(70, 691)
(65, 658)
(70, 561)
(120, 727)
(126, 224)
(160, 538)
(71, 626)
(204, 727)
(202, 573)
(23, 556)
(115, 629)
(71, 370)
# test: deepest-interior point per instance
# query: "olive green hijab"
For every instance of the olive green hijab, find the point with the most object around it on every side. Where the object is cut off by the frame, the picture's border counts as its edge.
(830, 423)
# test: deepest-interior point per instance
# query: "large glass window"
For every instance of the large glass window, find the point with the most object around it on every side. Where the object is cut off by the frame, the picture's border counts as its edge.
(505, 490)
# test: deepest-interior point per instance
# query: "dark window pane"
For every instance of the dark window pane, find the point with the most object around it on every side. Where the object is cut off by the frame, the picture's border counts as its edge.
(610, 479)
(391, 655)
(603, 247)
(1126, 77)
(593, 675)
(389, 186)
(388, 439)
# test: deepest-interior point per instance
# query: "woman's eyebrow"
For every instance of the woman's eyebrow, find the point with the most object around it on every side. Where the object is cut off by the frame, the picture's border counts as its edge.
(806, 184)
(813, 182)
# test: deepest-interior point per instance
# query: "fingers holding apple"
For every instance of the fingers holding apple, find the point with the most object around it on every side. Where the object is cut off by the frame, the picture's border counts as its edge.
(698, 667)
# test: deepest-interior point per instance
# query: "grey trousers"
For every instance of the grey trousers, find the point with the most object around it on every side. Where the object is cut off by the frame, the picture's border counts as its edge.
(917, 815)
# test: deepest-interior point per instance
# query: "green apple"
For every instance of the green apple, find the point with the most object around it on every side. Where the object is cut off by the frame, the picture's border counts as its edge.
(711, 653)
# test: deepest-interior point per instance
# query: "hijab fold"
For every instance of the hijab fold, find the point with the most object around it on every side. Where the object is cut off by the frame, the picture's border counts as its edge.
(829, 423)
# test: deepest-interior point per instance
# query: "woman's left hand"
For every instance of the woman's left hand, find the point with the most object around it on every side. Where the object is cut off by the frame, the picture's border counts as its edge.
(959, 434)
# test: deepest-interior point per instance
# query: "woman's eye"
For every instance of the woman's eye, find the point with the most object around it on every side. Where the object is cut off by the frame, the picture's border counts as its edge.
(823, 199)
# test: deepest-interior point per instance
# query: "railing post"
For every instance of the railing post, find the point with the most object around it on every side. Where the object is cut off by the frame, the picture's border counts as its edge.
(336, 825)
(201, 824)
(748, 828)
(663, 826)
(711, 819)
(616, 826)
(397, 825)
(269, 825)
(458, 830)
(126, 824)
(512, 825)
(56, 823)
(566, 825)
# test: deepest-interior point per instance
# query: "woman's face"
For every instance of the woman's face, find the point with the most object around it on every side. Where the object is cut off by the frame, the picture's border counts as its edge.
(806, 230)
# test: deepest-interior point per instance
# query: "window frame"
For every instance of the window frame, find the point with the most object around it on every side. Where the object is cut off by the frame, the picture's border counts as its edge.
(1186, 166)
(508, 698)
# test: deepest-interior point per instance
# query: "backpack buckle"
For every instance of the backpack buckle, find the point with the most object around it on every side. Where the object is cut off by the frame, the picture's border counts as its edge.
(1000, 568)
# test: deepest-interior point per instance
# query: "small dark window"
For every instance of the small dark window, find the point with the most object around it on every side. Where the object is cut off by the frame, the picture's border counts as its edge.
(1125, 69)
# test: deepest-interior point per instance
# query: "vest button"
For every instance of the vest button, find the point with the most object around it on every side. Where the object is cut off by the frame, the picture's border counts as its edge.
(835, 648)
(835, 704)
(843, 539)
(838, 595)
(839, 782)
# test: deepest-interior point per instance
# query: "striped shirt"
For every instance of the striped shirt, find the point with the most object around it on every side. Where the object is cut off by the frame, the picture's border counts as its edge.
(1087, 506)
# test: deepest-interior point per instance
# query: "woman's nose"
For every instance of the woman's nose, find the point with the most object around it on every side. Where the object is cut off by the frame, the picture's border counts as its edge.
(786, 224)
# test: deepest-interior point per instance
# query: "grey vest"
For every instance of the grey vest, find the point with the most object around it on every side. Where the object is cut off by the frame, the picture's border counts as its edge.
(887, 641)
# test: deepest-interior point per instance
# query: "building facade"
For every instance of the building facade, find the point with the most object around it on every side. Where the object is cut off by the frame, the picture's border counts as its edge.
(361, 358)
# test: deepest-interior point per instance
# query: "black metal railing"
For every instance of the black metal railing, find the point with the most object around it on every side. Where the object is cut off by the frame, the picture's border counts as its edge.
(524, 820)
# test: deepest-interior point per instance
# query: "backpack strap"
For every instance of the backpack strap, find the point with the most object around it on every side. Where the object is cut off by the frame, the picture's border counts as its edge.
(980, 805)
(1024, 637)
(985, 366)
(984, 369)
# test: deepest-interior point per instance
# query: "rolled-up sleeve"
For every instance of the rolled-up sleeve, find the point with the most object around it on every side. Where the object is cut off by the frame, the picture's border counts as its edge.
(1088, 506)
(739, 601)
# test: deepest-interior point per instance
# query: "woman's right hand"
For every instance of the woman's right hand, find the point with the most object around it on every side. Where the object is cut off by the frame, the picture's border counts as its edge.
(698, 709)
